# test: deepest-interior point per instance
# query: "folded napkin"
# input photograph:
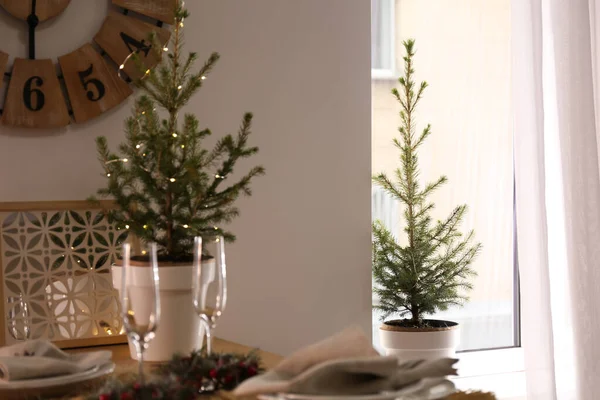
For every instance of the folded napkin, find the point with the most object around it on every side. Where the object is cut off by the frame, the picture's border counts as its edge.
(41, 359)
(347, 364)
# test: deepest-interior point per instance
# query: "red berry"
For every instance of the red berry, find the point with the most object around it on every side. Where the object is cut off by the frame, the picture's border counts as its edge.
(213, 373)
(104, 397)
(242, 364)
(126, 396)
(252, 371)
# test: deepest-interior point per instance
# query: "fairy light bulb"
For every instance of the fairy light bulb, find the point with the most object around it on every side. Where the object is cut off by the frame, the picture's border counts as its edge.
(186, 226)
(203, 78)
(172, 180)
(183, 146)
(125, 160)
(165, 49)
(122, 66)
(145, 226)
(108, 175)
(174, 135)
(126, 226)
(138, 146)
(179, 87)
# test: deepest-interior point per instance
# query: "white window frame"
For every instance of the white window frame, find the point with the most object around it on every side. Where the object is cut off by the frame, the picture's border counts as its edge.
(388, 73)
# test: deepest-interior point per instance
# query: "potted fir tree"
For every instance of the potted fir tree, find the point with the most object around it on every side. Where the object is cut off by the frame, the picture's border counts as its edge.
(430, 270)
(169, 187)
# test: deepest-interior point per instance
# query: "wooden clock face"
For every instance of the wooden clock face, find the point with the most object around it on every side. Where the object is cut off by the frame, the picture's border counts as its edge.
(84, 84)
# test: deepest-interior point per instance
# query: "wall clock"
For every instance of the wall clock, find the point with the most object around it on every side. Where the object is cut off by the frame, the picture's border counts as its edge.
(87, 83)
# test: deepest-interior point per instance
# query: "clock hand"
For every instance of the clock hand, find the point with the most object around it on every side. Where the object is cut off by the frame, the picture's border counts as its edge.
(33, 22)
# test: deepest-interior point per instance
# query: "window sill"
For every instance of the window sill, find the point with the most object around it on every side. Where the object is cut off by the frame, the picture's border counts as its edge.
(498, 371)
(509, 386)
(383, 75)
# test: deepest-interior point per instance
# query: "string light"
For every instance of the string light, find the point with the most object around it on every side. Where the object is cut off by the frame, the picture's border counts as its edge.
(172, 179)
(126, 226)
(122, 66)
(174, 135)
(186, 226)
(179, 87)
(165, 49)
(147, 72)
(216, 228)
(117, 160)
(219, 176)
(138, 146)
(203, 78)
(145, 226)
(108, 175)
(183, 146)
(144, 252)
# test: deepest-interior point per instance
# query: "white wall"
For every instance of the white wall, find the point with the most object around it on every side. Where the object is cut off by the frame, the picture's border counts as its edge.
(301, 267)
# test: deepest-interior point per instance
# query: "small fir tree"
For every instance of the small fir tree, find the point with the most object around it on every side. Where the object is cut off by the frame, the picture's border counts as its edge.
(168, 187)
(431, 272)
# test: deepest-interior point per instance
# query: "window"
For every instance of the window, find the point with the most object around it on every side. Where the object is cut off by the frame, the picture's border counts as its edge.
(463, 52)
(383, 21)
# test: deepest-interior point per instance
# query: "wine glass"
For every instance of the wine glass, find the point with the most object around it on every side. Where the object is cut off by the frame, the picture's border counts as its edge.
(18, 318)
(140, 302)
(209, 286)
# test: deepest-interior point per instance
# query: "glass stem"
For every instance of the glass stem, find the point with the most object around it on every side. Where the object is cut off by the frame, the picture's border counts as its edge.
(140, 356)
(208, 339)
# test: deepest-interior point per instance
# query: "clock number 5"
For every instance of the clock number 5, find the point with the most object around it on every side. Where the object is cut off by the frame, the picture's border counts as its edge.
(29, 92)
(100, 88)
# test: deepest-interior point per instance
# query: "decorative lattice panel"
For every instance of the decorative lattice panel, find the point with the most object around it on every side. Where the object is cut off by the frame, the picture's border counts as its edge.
(56, 275)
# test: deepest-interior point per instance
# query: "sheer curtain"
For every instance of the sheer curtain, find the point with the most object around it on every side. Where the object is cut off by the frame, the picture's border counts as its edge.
(555, 92)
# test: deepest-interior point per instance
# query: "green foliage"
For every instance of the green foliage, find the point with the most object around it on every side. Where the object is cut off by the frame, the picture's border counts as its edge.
(431, 272)
(167, 185)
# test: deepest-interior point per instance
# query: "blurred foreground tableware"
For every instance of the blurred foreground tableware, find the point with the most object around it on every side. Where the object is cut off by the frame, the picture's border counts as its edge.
(346, 365)
(38, 369)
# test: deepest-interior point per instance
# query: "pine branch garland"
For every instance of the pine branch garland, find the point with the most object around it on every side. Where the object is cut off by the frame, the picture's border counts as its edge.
(433, 271)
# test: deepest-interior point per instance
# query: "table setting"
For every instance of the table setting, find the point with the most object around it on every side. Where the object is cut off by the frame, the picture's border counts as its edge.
(343, 366)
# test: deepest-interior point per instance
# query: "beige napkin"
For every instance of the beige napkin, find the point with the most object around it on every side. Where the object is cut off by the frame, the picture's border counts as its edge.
(40, 359)
(346, 364)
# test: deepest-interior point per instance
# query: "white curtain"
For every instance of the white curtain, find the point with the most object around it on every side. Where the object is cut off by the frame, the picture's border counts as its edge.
(556, 108)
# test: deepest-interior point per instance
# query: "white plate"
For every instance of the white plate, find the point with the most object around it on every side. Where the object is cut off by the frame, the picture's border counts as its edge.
(428, 389)
(47, 383)
(382, 396)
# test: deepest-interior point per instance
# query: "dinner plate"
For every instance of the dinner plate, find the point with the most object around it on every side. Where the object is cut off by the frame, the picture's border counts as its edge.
(439, 393)
(58, 381)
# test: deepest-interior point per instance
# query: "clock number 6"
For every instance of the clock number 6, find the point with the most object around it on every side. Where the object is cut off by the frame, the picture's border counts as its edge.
(29, 92)
(100, 88)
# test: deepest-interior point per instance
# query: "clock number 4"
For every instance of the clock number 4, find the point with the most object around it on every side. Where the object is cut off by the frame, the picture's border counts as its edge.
(100, 88)
(135, 46)
(31, 93)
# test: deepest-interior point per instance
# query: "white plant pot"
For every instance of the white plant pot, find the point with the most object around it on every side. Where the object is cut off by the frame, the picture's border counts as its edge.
(179, 329)
(411, 344)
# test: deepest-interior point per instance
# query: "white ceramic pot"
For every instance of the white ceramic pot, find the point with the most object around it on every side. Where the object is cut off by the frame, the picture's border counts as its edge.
(179, 329)
(412, 344)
